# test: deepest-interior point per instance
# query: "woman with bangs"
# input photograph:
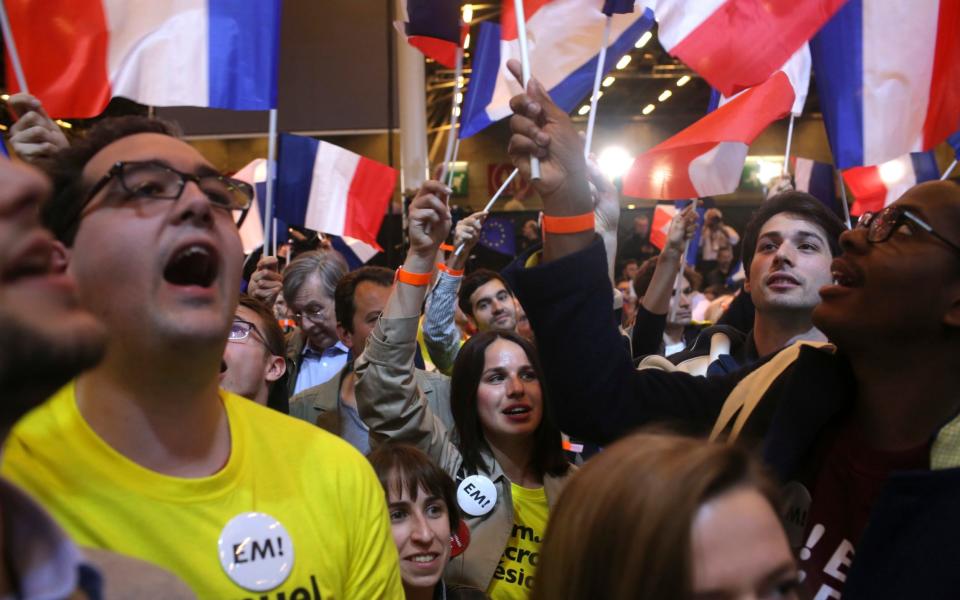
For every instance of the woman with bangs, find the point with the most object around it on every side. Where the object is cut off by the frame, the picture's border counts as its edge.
(502, 448)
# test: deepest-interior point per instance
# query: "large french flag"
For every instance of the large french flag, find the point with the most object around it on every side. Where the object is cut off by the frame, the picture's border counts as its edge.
(797, 69)
(878, 186)
(707, 158)
(78, 54)
(433, 28)
(564, 38)
(888, 76)
(817, 179)
(332, 190)
(736, 44)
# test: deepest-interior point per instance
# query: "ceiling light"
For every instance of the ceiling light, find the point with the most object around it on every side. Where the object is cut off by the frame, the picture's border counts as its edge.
(614, 161)
(664, 95)
(648, 109)
(466, 41)
(683, 81)
(467, 13)
(623, 62)
(608, 81)
(584, 109)
(643, 39)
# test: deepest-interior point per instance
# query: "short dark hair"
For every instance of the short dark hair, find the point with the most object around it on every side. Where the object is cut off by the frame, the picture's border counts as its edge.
(644, 276)
(548, 457)
(801, 204)
(61, 213)
(475, 281)
(272, 333)
(412, 469)
(344, 305)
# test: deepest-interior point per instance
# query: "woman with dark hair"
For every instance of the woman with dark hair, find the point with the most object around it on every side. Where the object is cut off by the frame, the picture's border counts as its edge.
(661, 516)
(502, 447)
(422, 502)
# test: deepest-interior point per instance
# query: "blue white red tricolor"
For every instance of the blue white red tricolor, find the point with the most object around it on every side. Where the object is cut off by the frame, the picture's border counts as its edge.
(878, 186)
(433, 27)
(211, 53)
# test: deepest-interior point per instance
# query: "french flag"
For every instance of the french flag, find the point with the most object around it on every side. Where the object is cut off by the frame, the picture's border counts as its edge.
(736, 44)
(879, 186)
(78, 54)
(816, 179)
(326, 188)
(660, 227)
(887, 76)
(797, 69)
(564, 38)
(707, 158)
(433, 28)
(251, 229)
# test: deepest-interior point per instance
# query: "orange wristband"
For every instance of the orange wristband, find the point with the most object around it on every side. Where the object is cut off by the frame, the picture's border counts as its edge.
(419, 279)
(447, 247)
(574, 224)
(449, 271)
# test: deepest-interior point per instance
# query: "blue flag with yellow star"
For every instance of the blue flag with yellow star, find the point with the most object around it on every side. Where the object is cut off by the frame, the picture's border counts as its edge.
(498, 234)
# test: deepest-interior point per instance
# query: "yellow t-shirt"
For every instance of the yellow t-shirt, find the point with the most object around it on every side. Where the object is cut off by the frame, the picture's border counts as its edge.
(321, 490)
(513, 579)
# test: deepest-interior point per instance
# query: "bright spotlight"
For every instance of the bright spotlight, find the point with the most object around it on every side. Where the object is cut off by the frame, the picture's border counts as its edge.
(892, 171)
(767, 170)
(614, 161)
(467, 13)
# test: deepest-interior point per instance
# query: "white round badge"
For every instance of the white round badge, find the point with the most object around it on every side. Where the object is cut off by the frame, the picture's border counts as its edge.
(256, 551)
(476, 495)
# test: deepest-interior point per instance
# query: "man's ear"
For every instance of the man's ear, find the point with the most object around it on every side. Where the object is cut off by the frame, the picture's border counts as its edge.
(60, 257)
(276, 367)
(345, 336)
(746, 284)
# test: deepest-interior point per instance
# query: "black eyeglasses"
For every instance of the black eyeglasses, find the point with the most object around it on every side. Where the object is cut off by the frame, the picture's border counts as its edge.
(155, 180)
(880, 226)
(241, 329)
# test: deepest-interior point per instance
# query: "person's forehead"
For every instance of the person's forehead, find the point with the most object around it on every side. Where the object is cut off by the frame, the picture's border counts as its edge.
(311, 290)
(938, 203)
(786, 224)
(249, 315)
(143, 147)
(490, 288)
(371, 292)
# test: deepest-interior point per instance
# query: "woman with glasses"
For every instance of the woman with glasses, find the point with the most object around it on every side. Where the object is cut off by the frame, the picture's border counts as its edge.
(253, 362)
(502, 449)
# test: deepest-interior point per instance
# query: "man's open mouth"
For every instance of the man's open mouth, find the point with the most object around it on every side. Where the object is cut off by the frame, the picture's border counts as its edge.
(195, 264)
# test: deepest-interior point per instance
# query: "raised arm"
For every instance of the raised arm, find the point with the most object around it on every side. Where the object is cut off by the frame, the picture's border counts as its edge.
(388, 398)
(35, 137)
(440, 333)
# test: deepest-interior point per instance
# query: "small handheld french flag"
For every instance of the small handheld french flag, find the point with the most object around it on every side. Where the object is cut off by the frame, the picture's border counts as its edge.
(433, 27)
(332, 190)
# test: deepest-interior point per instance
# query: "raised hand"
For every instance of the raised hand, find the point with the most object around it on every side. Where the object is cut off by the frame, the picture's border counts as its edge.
(467, 231)
(35, 136)
(542, 129)
(682, 228)
(266, 283)
(429, 220)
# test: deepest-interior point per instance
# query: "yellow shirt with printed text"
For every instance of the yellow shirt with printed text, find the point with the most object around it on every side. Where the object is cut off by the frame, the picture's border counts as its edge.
(317, 486)
(513, 579)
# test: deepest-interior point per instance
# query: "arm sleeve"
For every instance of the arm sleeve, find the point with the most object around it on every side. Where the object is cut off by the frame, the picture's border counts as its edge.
(440, 333)
(592, 386)
(389, 400)
(374, 569)
(647, 332)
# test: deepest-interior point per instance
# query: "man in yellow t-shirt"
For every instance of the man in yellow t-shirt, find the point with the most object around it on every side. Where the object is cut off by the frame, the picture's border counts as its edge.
(143, 454)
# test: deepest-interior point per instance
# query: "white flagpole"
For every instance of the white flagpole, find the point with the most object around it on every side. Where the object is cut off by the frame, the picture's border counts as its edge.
(453, 137)
(786, 153)
(949, 170)
(525, 67)
(12, 49)
(273, 238)
(595, 97)
(453, 160)
(489, 205)
(843, 199)
(271, 177)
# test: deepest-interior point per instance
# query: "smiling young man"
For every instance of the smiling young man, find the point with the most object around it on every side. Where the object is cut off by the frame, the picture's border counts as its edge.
(867, 435)
(151, 459)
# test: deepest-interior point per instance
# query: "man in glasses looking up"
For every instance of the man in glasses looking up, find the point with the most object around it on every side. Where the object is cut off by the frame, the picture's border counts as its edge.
(151, 458)
(867, 434)
(253, 363)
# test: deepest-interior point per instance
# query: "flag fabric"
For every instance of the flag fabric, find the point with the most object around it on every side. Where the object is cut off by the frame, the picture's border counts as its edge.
(816, 179)
(78, 54)
(355, 252)
(565, 38)
(660, 227)
(878, 186)
(251, 230)
(332, 190)
(499, 235)
(617, 7)
(887, 76)
(954, 141)
(707, 158)
(433, 28)
(797, 69)
(736, 44)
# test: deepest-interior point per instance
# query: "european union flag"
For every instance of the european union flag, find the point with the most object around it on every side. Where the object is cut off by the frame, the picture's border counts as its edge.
(498, 234)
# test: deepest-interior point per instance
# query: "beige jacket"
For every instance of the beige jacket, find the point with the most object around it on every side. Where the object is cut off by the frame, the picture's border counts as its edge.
(320, 405)
(394, 408)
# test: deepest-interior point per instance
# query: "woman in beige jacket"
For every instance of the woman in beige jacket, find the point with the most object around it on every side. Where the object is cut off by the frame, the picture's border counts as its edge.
(502, 448)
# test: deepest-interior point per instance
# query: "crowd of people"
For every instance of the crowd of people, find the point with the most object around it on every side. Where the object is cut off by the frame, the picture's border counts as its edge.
(431, 433)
